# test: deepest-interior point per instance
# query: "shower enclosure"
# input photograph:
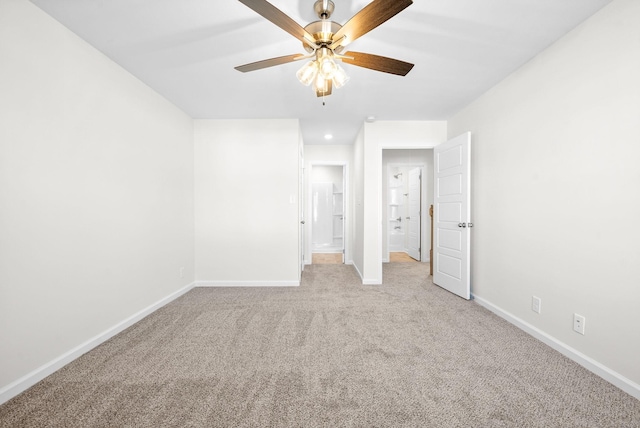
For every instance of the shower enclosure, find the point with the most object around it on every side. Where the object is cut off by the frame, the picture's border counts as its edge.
(404, 207)
(327, 209)
(396, 201)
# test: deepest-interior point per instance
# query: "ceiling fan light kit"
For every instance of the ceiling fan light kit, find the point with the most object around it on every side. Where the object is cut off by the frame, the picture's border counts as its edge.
(325, 40)
(321, 71)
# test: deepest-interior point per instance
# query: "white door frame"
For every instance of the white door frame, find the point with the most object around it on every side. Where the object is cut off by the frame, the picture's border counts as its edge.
(412, 249)
(381, 176)
(346, 209)
(424, 209)
(301, 212)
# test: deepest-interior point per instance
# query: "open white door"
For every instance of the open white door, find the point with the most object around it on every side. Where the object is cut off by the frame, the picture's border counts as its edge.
(452, 211)
(413, 219)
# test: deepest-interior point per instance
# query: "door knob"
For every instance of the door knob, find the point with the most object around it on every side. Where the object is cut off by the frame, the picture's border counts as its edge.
(302, 222)
(462, 224)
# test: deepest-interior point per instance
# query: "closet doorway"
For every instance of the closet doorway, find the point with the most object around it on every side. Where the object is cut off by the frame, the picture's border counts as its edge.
(328, 211)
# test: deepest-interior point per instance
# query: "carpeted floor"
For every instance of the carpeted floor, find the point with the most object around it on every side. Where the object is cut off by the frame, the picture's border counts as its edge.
(330, 353)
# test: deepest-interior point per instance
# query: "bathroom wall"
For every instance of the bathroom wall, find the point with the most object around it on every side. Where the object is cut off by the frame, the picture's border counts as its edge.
(395, 190)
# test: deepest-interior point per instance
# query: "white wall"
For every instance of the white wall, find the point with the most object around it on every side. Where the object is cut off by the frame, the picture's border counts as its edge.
(96, 194)
(358, 231)
(327, 174)
(246, 210)
(555, 197)
(378, 136)
(330, 154)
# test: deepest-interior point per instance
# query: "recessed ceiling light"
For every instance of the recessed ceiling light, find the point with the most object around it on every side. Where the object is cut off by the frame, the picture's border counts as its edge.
(370, 119)
(328, 136)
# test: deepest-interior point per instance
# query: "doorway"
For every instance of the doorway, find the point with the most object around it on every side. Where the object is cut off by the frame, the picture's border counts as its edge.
(327, 212)
(407, 192)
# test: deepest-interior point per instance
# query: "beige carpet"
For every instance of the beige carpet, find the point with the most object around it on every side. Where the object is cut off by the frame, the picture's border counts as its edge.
(331, 353)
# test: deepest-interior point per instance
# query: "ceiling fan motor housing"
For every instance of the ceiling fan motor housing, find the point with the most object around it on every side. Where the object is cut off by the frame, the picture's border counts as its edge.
(322, 31)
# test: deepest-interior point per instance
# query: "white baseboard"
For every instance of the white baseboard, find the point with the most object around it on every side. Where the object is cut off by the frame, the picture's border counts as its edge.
(247, 283)
(365, 281)
(346, 262)
(588, 363)
(30, 379)
(358, 271)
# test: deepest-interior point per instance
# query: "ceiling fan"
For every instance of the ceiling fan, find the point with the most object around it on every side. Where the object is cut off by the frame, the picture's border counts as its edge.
(325, 41)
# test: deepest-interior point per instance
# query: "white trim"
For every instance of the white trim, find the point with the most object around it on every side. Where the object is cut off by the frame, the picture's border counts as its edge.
(588, 363)
(30, 379)
(357, 271)
(367, 281)
(247, 283)
(324, 251)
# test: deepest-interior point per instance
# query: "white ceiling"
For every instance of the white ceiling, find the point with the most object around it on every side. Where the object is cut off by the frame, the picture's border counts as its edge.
(186, 51)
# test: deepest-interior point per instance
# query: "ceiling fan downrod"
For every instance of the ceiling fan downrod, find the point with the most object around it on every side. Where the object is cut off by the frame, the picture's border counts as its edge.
(324, 8)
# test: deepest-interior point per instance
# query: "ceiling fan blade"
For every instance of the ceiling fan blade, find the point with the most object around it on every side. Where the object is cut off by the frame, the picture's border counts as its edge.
(371, 16)
(378, 63)
(275, 15)
(267, 63)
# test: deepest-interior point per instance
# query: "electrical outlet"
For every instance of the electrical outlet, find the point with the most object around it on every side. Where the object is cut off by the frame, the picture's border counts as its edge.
(181, 272)
(536, 304)
(578, 323)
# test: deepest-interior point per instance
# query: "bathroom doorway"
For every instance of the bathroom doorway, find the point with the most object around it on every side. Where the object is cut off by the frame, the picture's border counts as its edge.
(407, 189)
(328, 212)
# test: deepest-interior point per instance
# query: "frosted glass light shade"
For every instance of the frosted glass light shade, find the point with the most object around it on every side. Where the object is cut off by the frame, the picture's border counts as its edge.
(307, 74)
(320, 84)
(328, 68)
(340, 77)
